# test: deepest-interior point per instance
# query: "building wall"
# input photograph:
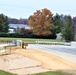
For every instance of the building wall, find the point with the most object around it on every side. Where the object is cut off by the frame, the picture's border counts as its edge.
(59, 37)
(19, 25)
(11, 31)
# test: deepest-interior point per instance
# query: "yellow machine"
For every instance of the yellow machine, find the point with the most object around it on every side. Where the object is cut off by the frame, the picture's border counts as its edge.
(21, 44)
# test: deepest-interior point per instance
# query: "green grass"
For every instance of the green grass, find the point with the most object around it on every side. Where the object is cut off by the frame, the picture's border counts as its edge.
(29, 40)
(52, 73)
(6, 73)
(43, 73)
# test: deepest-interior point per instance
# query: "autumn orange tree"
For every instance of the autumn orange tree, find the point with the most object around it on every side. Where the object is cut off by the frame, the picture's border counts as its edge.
(40, 22)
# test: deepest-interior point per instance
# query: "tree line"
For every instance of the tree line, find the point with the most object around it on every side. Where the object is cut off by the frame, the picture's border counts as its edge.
(43, 25)
(17, 21)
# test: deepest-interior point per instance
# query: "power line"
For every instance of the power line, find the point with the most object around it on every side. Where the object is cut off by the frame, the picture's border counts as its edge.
(23, 7)
(16, 6)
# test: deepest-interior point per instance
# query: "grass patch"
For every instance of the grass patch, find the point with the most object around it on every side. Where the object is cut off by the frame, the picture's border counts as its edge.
(43, 73)
(6, 73)
(52, 73)
(29, 40)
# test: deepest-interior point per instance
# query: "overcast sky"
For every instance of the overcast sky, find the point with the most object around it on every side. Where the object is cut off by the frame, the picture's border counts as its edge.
(25, 8)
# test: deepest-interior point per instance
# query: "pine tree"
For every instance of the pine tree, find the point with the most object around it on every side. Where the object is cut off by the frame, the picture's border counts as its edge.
(68, 30)
(4, 26)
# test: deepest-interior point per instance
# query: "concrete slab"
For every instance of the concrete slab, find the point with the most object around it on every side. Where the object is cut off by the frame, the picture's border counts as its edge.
(26, 71)
(15, 61)
(19, 64)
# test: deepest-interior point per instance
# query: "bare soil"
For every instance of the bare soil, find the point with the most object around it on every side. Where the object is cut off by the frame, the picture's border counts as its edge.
(28, 61)
(48, 60)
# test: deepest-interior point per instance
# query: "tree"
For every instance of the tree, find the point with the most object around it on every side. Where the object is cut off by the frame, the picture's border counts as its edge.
(17, 21)
(13, 20)
(4, 23)
(57, 23)
(74, 23)
(41, 23)
(17, 30)
(74, 20)
(68, 30)
(22, 30)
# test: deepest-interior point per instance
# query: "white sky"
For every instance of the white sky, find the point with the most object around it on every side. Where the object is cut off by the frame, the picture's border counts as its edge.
(25, 8)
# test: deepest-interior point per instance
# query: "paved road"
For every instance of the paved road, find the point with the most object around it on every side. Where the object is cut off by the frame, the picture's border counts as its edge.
(66, 52)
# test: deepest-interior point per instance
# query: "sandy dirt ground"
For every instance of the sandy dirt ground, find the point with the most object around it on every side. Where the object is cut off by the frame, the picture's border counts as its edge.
(43, 61)
(48, 60)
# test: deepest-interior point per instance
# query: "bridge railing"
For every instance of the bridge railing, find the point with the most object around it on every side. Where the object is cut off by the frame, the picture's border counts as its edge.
(54, 43)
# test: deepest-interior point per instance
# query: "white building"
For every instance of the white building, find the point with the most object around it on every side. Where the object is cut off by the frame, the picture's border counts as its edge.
(59, 37)
(11, 30)
(19, 25)
(13, 27)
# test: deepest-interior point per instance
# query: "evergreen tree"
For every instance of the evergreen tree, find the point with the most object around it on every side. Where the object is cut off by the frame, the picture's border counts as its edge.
(57, 23)
(4, 23)
(68, 30)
